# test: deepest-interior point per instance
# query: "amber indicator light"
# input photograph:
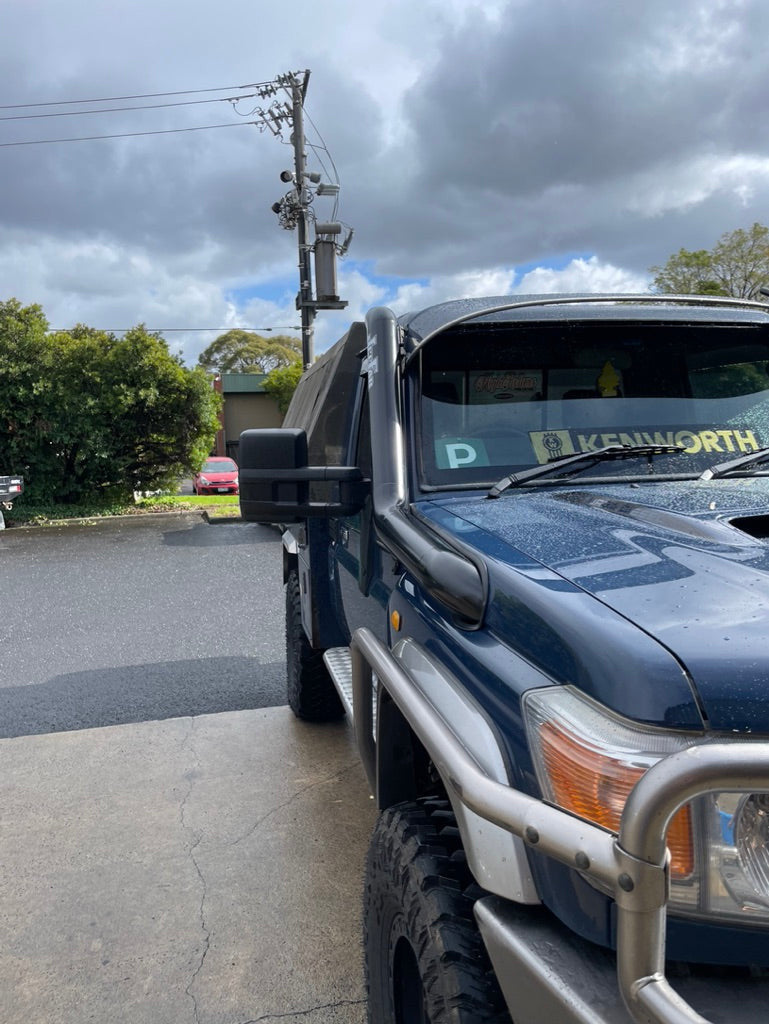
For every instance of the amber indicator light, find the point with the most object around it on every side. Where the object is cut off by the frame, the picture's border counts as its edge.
(595, 786)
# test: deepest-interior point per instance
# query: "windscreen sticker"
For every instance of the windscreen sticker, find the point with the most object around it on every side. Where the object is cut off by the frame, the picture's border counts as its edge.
(457, 453)
(551, 444)
(487, 388)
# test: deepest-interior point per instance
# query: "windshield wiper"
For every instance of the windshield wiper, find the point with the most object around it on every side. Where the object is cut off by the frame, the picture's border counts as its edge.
(566, 465)
(742, 462)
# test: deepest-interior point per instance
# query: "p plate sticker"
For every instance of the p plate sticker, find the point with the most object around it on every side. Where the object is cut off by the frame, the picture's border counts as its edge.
(457, 453)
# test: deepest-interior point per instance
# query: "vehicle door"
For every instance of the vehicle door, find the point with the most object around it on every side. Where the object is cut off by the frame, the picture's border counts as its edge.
(366, 571)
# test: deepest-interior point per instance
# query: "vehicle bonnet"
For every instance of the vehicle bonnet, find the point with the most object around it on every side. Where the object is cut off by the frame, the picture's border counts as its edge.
(677, 563)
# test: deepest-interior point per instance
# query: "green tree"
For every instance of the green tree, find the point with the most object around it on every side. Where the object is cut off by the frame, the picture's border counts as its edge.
(741, 261)
(87, 415)
(687, 273)
(738, 265)
(281, 383)
(25, 389)
(239, 351)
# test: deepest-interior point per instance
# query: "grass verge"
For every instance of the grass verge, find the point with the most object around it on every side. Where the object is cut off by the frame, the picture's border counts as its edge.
(224, 505)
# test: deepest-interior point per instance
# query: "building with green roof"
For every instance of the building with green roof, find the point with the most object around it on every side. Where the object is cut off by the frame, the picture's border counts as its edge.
(246, 405)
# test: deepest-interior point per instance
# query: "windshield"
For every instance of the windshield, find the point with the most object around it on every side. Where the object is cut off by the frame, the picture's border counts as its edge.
(496, 398)
(219, 466)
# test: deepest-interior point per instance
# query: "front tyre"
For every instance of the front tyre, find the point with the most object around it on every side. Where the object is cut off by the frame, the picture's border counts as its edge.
(425, 960)
(311, 694)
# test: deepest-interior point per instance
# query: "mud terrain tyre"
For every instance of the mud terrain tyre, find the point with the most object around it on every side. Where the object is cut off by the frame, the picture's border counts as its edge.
(425, 960)
(311, 694)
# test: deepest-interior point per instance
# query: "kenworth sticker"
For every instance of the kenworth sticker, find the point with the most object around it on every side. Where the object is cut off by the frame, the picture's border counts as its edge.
(459, 452)
(550, 444)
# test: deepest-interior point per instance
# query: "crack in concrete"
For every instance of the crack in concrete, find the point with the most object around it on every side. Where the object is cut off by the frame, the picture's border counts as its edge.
(198, 838)
(287, 803)
(304, 1013)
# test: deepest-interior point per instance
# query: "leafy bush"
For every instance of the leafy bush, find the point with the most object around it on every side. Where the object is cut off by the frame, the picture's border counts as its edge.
(281, 383)
(88, 416)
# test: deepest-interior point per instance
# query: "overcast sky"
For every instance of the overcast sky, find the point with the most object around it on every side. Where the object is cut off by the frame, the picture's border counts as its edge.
(482, 148)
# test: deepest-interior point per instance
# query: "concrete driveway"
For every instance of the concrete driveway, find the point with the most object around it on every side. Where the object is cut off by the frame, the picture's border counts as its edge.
(202, 870)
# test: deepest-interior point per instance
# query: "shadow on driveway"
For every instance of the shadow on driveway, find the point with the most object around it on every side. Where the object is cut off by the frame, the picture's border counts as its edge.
(224, 534)
(141, 693)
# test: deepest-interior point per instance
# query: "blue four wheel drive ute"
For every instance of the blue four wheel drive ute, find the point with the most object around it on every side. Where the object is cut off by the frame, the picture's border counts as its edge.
(526, 548)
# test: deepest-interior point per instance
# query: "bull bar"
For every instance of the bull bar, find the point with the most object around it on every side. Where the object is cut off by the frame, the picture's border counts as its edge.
(632, 865)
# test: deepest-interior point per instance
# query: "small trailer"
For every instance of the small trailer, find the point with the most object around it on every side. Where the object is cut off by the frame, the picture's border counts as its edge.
(10, 489)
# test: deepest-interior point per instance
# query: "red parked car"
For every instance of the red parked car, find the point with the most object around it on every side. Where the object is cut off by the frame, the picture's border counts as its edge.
(218, 476)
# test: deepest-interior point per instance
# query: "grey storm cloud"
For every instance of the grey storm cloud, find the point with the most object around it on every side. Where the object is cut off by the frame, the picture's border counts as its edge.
(565, 93)
(170, 187)
(468, 137)
(562, 107)
(175, 192)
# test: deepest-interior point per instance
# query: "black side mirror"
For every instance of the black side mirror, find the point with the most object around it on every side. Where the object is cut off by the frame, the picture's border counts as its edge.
(275, 479)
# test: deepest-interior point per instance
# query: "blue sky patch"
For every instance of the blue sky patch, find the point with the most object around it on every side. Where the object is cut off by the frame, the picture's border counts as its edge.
(276, 290)
(390, 282)
(558, 262)
(280, 290)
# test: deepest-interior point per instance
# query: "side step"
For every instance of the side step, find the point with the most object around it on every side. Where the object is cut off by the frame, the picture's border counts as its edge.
(339, 664)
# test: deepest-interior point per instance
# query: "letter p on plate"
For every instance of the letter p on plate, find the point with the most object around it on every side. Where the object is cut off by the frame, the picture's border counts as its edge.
(459, 453)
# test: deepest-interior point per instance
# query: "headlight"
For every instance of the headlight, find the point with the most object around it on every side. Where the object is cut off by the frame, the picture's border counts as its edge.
(587, 760)
(203, 480)
(739, 854)
(751, 838)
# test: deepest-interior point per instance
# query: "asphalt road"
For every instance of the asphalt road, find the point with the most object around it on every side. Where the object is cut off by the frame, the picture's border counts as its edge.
(193, 860)
(135, 620)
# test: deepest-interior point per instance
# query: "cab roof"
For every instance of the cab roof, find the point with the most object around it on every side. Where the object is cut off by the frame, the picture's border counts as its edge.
(420, 326)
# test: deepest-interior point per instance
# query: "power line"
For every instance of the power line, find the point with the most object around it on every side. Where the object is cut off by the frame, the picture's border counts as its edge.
(128, 135)
(323, 147)
(176, 330)
(274, 118)
(137, 96)
(111, 110)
